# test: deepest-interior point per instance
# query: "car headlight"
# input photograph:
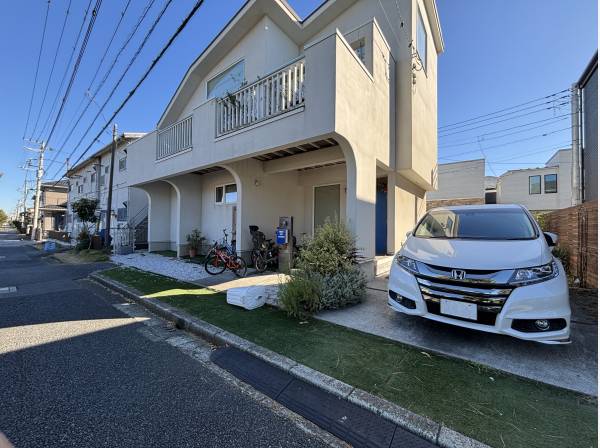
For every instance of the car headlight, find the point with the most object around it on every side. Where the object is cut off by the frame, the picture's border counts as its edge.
(526, 276)
(407, 263)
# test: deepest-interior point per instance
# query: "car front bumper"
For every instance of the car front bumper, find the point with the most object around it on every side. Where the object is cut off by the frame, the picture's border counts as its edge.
(544, 300)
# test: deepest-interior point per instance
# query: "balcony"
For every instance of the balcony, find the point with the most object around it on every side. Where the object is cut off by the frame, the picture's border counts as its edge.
(174, 139)
(272, 95)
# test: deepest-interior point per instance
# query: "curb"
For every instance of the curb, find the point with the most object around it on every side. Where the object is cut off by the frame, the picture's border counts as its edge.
(434, 432)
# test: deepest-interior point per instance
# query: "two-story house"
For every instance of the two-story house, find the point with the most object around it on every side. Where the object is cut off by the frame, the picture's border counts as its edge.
(330, 117)
(539, 189)
(53, 206)
(459, 183)
(90, 179)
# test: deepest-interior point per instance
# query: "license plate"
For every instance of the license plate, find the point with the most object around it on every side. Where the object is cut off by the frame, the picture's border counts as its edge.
(459, 309)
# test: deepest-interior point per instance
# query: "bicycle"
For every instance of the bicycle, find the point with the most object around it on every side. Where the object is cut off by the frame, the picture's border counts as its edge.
(222, 256)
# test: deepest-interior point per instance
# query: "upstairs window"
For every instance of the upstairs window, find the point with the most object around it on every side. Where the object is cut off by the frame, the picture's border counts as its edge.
(122, 214)
(550, 183)
(359, 48)
(229, 80)
(123, 164)
(93, 177)
(535, 184)
(422, 41)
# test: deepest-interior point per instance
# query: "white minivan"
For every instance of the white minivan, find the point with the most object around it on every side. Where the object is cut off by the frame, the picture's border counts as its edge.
(485, 267)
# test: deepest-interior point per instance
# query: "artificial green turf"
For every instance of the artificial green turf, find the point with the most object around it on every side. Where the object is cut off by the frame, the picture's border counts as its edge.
(496, 408)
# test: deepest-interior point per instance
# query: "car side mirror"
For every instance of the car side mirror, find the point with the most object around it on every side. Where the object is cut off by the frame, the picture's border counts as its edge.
(551, 238)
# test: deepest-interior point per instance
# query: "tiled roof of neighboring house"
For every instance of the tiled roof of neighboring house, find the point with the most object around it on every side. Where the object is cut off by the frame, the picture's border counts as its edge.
(126, 137)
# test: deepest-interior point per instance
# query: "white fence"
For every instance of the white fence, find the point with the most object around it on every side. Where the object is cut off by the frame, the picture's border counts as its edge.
(272, 95)
(174, 139)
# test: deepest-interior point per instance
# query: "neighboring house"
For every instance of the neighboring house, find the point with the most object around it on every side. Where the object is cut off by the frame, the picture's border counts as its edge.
(490, 184)
(53, 206)
(90, 179)
(459, 183)
(585, 134)
(330, 117)
(539, 189)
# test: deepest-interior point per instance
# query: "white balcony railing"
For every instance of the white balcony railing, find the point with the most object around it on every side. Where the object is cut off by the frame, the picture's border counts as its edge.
(274, 94)
(174, 139)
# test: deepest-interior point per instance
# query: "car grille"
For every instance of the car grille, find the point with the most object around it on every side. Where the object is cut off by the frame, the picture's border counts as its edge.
(487, 289)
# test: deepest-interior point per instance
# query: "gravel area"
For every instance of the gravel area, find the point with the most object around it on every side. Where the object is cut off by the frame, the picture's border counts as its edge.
(160, 264)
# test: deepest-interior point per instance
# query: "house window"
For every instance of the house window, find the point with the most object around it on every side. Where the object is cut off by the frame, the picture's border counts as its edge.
(84, 179)
(421, 41)
(122, 214)
(226, 194)
(535, 184)
(550, 183)
(93, 177)
(228, 81)
(80, 189)
(123, 164)
(359, 48)
(106, 170)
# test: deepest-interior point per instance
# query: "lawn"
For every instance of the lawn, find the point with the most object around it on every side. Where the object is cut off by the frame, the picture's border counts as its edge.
(496, 408)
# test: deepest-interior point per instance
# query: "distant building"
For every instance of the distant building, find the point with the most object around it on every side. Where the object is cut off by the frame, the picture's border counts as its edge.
(459, 183)
(90, 178)
(53, 206)
(585, 134)
(539, 189)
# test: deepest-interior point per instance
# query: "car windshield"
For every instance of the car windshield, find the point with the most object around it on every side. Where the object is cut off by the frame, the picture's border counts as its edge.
(481, 224)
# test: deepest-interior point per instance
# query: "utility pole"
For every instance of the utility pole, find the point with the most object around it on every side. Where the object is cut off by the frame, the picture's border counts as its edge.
(38, 188)
(113, 151)
(25, 192)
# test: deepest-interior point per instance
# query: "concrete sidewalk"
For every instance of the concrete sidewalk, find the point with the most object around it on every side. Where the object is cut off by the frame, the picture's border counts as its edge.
(571, 366)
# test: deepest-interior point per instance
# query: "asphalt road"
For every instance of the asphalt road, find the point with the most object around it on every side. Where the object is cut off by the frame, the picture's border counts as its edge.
(77, 371)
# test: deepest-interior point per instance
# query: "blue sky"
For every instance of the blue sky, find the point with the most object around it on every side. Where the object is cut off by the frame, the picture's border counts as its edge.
(499, 53)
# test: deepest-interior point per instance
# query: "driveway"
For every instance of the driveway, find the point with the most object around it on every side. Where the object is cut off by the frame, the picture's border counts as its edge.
(572, 366)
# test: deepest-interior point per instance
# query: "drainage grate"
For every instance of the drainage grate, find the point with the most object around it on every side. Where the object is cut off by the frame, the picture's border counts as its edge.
(345, 420)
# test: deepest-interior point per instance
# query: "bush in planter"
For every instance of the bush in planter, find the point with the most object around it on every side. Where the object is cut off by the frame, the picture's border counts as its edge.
(342, 289)
(83, 240)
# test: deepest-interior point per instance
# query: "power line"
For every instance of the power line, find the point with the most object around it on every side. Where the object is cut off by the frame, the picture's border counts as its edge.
(555, 146)
(76, 66)
(557, 106)
(64, 77)
(112, 92)
(37, 69)
(78, 109)
(143, 78)
(503, 110)
(62, 31)
(546, 134)
(481, 138)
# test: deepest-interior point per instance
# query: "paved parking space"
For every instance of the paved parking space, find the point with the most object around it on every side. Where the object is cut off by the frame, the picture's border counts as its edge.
(572, 366)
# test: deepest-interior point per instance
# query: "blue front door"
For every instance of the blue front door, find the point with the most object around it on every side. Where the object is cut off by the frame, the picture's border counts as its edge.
(381, 221)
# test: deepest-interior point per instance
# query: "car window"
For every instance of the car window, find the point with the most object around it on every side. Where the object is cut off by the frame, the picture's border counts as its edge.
(490, 224)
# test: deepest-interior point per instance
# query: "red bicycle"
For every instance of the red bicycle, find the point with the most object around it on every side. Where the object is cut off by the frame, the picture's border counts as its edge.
(222, 257)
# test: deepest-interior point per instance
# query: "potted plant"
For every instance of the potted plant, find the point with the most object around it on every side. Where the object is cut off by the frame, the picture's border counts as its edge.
(194, 240)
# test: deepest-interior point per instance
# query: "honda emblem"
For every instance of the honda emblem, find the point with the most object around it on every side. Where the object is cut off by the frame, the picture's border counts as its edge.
(458, 274)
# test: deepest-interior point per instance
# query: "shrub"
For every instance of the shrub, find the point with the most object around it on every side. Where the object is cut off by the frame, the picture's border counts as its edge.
(542, 219)
(328, 276)
(342, 289)
(333, 248)
(299, 297)
(562, 253)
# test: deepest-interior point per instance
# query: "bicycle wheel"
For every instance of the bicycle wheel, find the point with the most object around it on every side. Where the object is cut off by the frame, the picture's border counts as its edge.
(260, 264)
(214, 265)
(238, 266)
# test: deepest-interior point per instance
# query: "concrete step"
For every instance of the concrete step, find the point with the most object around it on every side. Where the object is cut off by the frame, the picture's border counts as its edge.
(383, 264)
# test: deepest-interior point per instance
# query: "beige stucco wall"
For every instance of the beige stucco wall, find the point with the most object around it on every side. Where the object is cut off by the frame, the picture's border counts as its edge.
(460, 180)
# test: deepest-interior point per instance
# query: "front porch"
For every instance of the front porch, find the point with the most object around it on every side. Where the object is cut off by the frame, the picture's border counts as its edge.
(309, 182)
